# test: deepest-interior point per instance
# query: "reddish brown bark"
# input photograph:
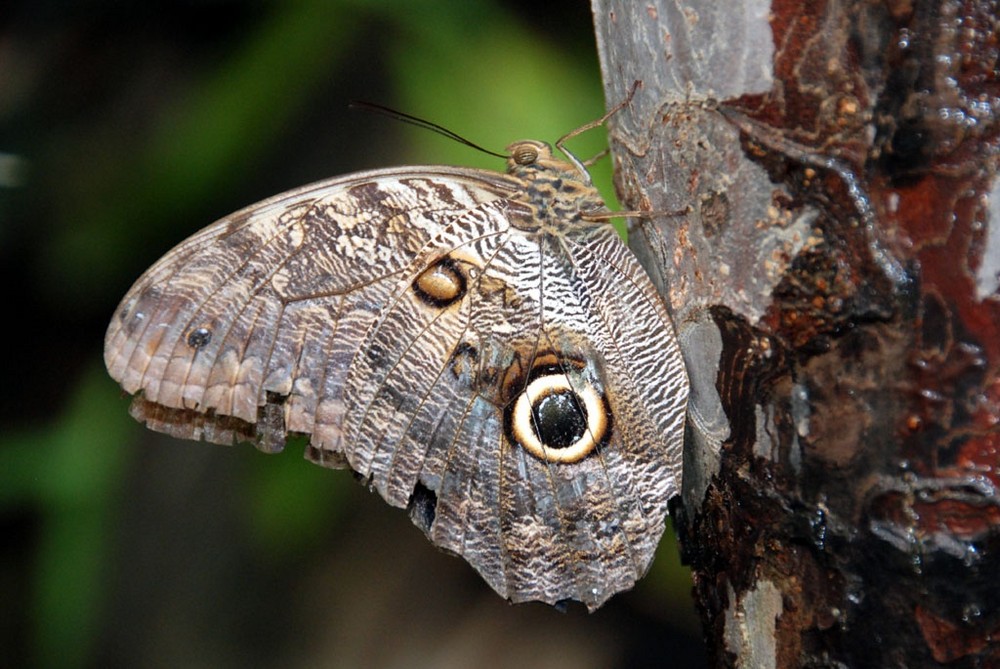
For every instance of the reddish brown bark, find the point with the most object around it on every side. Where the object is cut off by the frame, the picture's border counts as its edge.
(838, 163)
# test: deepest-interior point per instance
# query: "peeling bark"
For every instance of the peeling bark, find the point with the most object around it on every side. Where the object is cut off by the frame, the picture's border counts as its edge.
(835, 282)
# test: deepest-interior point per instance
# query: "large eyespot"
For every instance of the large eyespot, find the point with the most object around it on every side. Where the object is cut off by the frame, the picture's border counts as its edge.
(441, 284)
(559, 416)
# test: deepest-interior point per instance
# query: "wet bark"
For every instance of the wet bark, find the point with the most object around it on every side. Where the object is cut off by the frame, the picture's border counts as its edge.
(834, 278)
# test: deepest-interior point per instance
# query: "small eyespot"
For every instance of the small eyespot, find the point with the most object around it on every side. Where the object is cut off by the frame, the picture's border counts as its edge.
(441, 284)
(464, 361)
(199, 338)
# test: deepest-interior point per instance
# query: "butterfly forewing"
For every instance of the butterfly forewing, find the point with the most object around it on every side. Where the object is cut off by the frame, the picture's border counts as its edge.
(464, 340)
(315, 245)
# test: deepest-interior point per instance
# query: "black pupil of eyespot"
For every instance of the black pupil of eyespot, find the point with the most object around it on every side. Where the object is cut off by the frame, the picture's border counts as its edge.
(560, 419)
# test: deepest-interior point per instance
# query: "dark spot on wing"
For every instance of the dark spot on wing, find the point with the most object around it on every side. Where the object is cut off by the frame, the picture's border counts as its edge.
(199, 338)
(422, 507)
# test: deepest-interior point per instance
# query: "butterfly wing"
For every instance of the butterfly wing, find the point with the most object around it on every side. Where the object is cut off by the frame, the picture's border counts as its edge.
(405, 324)
(584, 317)
(274, 298)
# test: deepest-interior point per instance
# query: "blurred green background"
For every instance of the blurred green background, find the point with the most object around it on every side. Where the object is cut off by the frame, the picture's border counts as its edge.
(125, 127)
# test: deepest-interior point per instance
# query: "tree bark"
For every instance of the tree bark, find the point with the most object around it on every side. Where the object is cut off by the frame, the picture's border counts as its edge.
(834, 279)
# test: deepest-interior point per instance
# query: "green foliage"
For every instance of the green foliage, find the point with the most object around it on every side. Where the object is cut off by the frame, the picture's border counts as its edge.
(71, 472)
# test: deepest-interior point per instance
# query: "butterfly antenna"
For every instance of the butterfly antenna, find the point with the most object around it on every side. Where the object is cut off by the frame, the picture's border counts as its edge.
(420, 123)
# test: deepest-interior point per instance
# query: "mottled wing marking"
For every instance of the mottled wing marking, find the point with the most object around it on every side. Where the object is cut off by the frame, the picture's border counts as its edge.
(396, 317)
(271, 284)
(619, 493)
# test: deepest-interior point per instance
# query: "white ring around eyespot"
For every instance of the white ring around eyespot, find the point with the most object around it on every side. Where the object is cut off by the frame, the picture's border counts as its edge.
(522, 425)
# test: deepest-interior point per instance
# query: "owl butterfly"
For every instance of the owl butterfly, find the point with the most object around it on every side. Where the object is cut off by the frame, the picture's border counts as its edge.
(480, 348)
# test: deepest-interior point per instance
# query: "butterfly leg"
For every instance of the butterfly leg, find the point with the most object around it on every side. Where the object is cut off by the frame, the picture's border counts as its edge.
(561, 142)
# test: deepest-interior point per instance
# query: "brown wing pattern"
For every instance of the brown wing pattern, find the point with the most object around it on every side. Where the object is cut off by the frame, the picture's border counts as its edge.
(517, 387)
(275, 298)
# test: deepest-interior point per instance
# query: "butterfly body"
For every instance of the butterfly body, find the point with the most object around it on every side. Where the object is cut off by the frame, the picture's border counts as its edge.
(478, 346)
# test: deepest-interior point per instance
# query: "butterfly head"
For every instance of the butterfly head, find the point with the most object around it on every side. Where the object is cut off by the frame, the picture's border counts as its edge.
(555, 189)
(529, 156)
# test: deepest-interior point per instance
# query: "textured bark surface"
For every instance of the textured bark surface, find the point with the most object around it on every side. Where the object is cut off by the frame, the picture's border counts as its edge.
(835, 283)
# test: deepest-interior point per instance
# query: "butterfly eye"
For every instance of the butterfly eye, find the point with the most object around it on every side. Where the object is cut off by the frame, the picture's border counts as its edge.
(525, 154)
(441, 284)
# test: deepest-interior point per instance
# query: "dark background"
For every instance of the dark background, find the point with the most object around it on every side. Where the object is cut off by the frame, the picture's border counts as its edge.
(125, 127)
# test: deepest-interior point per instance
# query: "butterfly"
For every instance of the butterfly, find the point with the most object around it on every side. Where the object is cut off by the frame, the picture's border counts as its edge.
(480, 348)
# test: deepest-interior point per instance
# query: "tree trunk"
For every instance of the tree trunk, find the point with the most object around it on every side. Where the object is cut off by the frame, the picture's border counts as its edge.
(834, 278)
